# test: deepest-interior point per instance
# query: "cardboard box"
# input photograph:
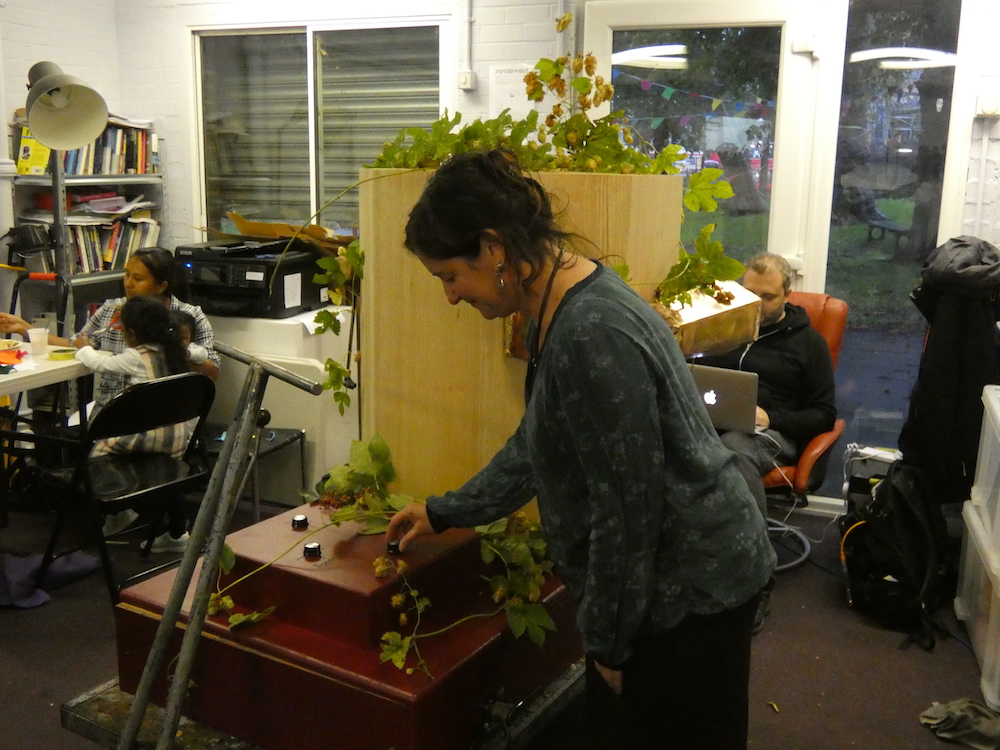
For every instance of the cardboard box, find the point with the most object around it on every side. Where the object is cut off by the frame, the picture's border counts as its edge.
(709, 327)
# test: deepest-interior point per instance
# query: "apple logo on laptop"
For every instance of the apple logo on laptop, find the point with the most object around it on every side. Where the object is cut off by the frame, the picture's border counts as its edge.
(711, 398)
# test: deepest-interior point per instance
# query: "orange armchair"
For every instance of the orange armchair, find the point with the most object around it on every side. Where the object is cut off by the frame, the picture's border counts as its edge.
(828, 315)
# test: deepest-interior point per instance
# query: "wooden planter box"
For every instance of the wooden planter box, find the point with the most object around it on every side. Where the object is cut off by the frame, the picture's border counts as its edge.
(437, 384)
(310, 675)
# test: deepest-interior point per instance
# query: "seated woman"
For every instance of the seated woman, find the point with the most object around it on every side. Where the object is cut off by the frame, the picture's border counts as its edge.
(150, 271)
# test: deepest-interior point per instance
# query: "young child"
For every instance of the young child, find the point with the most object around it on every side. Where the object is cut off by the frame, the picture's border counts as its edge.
(154, 350)
(184, 326)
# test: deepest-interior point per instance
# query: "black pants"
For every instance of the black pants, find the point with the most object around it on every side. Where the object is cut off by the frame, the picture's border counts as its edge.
(684, 689)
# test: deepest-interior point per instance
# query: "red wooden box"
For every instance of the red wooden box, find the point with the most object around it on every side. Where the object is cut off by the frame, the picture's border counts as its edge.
(311, 672)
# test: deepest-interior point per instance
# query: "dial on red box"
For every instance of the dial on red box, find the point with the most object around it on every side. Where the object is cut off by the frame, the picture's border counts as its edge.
(311, 672)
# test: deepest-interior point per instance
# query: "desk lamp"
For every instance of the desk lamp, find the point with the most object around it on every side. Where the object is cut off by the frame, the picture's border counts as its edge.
(64, 113)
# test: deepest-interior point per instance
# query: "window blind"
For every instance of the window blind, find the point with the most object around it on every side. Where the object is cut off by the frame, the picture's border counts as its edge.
(369, 83)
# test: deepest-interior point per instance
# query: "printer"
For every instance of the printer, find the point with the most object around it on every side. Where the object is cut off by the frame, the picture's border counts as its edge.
(248, 278)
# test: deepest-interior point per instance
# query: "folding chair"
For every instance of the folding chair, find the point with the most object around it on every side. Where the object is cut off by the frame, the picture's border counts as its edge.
(97, 487)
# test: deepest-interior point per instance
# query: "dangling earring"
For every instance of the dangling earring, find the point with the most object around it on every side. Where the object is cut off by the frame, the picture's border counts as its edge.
(500, 283)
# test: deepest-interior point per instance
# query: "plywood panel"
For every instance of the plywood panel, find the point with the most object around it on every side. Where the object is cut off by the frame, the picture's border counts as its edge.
(436, 383)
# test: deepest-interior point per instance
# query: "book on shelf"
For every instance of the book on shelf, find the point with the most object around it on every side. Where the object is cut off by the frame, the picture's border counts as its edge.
(99, 247)
(32, 156)
(99, 209)
(122, 148)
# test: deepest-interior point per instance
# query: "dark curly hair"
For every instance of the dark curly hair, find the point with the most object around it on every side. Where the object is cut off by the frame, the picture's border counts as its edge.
(148, 319)
(476, 193)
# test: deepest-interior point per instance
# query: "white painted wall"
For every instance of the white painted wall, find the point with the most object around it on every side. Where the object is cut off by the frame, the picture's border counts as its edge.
(139, 55)
(981, 215)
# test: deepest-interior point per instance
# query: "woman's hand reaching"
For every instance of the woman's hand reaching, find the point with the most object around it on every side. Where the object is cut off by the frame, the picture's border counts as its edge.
(408, 524)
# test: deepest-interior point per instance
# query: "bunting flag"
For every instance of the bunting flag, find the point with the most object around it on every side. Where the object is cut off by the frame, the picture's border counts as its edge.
(719, 105)
(656, 122)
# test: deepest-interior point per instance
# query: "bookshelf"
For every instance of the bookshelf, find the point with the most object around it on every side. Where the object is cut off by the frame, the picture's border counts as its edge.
(113, 197)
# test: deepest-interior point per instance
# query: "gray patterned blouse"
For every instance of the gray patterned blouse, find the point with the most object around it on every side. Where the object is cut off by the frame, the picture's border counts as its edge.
(644, 511)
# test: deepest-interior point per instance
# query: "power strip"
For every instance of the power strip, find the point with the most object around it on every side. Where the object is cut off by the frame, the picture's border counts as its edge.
(889, 455)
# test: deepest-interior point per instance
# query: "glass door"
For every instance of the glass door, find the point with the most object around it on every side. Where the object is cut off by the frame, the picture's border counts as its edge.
(758, 95)
(716, 96)
(892, 141)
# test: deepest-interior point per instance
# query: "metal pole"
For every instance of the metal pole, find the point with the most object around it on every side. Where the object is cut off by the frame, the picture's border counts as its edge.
(235, 472)
(172, 608)
(211, 524)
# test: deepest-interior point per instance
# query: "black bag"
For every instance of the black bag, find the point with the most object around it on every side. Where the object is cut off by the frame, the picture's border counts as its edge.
(894, 553)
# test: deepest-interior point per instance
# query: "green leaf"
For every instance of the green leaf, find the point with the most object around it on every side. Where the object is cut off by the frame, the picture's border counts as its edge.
(227, 560)
(517, 620)
(240, 620)
(395, 648)
(372, 525)
(219, 603)
(582, 84)
(493, 529)
(487, 553)
(360, 459)
(548, 69)
(327, 321)
(382, 460)
(398, 502)
(342, 479)
(538, 616)
(355, 259)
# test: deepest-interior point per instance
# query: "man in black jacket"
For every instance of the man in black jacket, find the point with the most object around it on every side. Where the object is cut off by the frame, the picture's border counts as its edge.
(796, 394)
(796, 398)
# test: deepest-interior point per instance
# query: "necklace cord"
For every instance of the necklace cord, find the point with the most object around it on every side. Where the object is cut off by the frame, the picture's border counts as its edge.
(533, 352)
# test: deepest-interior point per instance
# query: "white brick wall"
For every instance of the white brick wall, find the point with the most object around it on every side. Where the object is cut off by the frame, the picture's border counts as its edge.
(80, 37)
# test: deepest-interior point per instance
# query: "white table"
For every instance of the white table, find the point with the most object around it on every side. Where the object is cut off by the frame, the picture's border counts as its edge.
(45, 372)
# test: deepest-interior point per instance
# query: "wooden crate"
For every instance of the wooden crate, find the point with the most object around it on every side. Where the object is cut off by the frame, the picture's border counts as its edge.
(310, 675)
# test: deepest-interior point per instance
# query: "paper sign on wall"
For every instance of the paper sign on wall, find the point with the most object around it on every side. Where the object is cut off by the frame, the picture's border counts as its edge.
(507, 90)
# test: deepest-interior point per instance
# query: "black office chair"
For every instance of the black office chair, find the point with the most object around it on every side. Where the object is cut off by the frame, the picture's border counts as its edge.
(97, 487)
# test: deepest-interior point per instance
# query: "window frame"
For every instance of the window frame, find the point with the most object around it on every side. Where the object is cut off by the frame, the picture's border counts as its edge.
(809, 82)
(447, 71)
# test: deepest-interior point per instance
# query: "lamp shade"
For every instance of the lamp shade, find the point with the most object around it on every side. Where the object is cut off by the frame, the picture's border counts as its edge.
(64, 113)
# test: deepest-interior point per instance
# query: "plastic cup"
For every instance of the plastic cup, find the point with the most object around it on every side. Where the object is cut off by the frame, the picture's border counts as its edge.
(38, 338)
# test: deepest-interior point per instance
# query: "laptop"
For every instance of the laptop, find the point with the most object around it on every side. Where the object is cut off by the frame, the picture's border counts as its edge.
(730, 396)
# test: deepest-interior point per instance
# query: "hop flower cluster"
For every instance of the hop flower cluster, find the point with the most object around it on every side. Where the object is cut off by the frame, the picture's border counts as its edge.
(581, 94)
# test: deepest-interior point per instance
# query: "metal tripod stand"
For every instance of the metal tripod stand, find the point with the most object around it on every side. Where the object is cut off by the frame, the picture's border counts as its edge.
(210, 527)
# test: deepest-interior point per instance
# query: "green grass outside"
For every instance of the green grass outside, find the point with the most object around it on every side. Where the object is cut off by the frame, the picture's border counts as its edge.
(875, 285)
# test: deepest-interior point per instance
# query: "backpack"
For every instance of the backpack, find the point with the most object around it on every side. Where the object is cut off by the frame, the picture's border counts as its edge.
(893, 553)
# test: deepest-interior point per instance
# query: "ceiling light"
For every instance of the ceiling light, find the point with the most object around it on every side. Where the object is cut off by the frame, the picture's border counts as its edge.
(662, 56)
(906, 58)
